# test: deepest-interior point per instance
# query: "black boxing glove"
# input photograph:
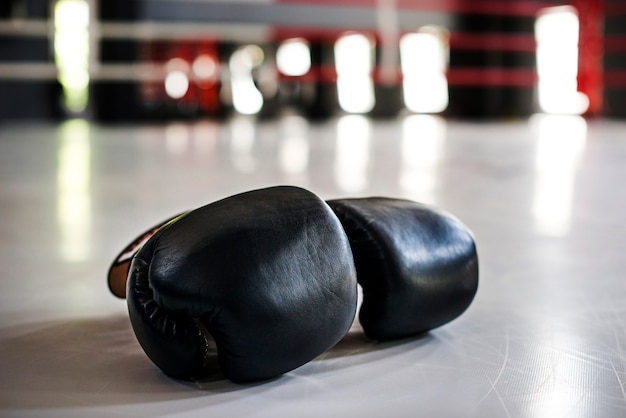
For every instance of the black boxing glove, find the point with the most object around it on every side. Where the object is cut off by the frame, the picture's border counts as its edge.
(268, 274)
(417, 265)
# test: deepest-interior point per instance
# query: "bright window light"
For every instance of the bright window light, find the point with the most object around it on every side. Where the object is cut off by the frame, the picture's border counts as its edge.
(247, 99)
(556, 33)
(204, 68)
(176, 84)
(71, 51)
(293, 57)
(353, 62)
(424, 57)
(176, 78)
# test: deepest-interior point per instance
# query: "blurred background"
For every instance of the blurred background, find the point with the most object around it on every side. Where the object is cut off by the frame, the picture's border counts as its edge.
(120, 61)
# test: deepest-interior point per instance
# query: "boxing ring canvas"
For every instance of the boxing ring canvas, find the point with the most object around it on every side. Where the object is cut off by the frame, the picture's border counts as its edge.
(543, 337)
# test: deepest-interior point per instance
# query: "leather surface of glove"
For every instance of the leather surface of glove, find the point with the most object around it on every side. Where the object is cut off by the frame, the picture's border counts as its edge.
(268, 274)
(417, 265)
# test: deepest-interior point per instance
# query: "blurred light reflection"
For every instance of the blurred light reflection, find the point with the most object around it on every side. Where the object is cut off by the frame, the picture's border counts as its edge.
(177, 138)
(205, 137)
(293, 151)
(566, 377)
(352, 153)
(422, 144)
(242, 138)
(73, 190)
(561, 141)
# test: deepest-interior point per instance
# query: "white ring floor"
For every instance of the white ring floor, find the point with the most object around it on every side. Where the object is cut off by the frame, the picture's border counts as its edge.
(545, 336)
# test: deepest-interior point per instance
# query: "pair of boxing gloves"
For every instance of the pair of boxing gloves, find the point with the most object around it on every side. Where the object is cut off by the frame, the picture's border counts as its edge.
(270, 277)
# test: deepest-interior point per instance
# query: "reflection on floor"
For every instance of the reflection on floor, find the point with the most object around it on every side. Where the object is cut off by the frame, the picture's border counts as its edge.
(545, 336)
